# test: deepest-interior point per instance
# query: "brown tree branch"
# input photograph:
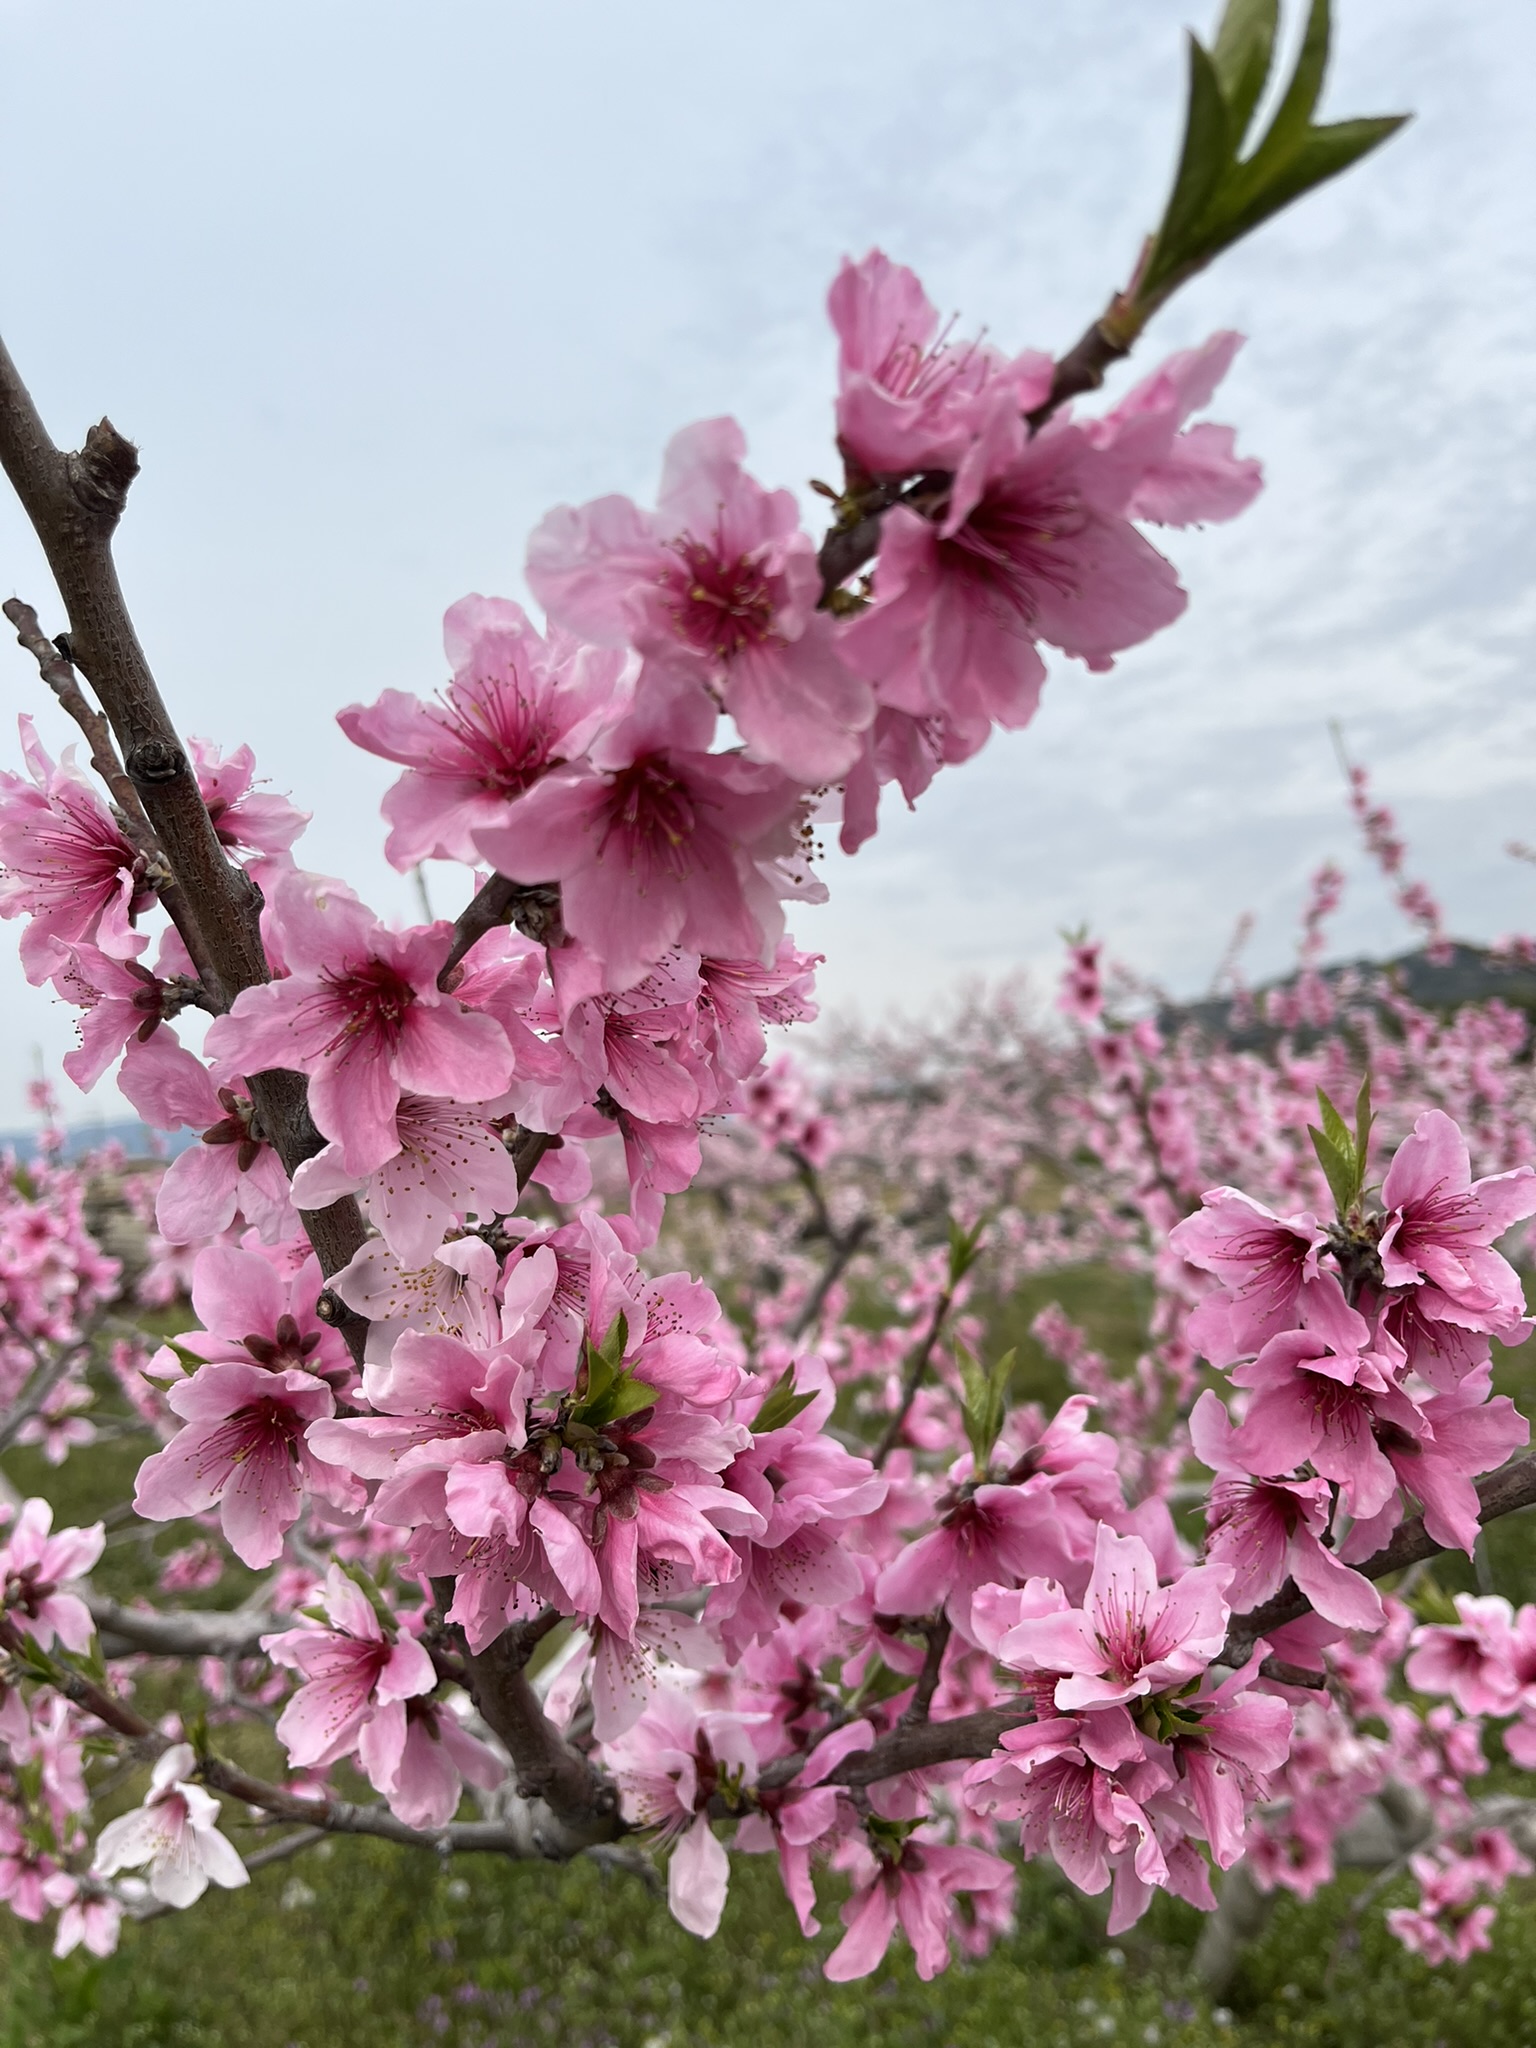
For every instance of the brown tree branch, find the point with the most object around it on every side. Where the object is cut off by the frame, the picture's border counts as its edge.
(74, 502)
(533, 907)
(582, 1803)
(58, 673)
(1501, 1493)
(912, 1378)
(938, 1633)
(191, 1632)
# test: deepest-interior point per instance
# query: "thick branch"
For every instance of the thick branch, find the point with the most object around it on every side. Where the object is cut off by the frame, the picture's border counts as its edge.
(192, 1632)
(583, 1804)
(915, 1746)
(74, 502)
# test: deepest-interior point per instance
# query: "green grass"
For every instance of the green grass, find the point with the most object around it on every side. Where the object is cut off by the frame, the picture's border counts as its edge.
(361, 1946)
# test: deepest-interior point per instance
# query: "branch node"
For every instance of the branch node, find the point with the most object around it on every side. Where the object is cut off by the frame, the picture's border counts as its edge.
(100, 474)
(154, 763)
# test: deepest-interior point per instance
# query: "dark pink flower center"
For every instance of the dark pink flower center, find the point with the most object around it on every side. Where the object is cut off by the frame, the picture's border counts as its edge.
(720, 606)
(265, 1429)
(1439, 1218)
(651, 813)
(494, 734)
(373, 1001)
(1009, 551)
(25, 1591)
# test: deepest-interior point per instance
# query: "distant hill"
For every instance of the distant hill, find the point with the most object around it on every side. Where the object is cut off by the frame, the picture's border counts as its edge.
(136, 1139)
(1472, 974)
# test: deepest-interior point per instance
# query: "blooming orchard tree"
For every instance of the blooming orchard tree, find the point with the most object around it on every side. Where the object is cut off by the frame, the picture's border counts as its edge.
(647, 1562)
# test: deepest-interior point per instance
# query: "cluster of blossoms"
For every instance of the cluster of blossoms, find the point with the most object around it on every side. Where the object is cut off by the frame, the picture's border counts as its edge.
(508, 1420)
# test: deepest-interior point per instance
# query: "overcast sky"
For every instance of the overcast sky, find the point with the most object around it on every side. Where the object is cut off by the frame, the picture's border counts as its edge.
(373, 284)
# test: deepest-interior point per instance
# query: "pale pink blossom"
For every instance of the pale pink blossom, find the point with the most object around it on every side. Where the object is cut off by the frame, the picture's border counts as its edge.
(1269, 1530)
(1093, 1826)
(668, 1768)
(244, 820)
(124, 1005)
(244, 1451)
(65, 864)
(423, 1775)
(1472, 1660)
(88, 1919)
(1321, 1395)
(1033, 545)
(1132, 1636)
(1189, 474)
(909, 398)
(232, 1172)
(914, 1887)
(176, 1833)
(1262, 1261)
(809, 1492)
(451, 1167)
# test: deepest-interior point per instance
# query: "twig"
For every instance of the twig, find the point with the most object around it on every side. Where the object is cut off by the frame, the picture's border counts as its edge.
(938, 1633)
(528, 1148)
(1488, 1813)
(1501, 1493)
(533, 907)
(57, 671)
(912, 1378)
(34, 1394)
(74, 502)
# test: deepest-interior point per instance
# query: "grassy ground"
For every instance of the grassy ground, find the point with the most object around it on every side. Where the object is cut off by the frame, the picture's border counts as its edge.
(369, 1948)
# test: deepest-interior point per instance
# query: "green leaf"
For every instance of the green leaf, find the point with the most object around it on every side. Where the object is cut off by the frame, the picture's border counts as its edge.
(880, 1683)
(1334, 1124)
(614, 1345)
(1242, 54)
(985, 1408)
(781, 1404)
(627, 1396)
(618, 1395)
(1203, 163)
(964, 1249)
(1217, 197)
(1431, 1603)
(1323, 155)
(603, 1365)
(1293, 117)
(1339, 1168)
